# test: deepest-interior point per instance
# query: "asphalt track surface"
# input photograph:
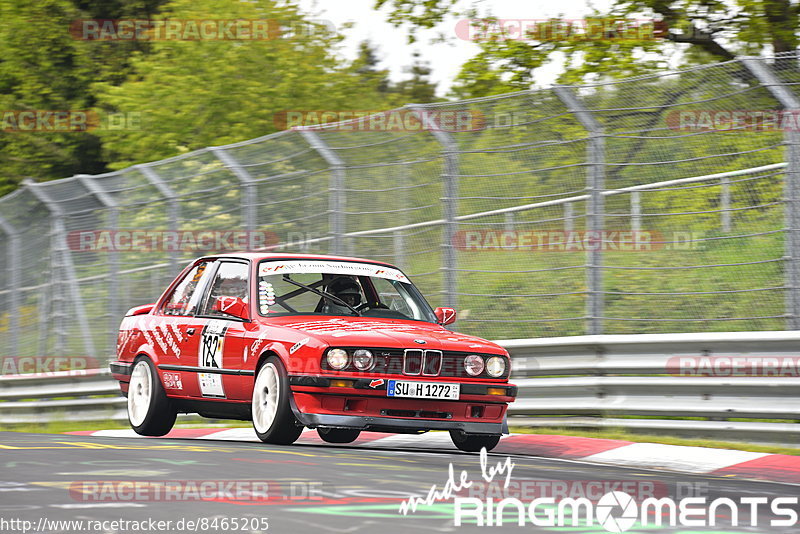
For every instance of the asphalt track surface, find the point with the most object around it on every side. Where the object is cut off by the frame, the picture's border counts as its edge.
(353, 489)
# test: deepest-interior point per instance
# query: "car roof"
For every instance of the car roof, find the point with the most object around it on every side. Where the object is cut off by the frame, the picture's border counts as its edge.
(258, 256)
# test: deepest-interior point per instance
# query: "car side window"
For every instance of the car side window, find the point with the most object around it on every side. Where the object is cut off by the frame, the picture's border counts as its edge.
(183, 299)
(395, 297)
(229, 286)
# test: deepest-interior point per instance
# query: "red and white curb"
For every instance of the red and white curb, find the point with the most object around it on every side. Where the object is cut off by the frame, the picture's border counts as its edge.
(694, 460)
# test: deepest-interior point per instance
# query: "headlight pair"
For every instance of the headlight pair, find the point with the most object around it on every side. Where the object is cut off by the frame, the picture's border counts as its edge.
(363, 359)
(494, 365)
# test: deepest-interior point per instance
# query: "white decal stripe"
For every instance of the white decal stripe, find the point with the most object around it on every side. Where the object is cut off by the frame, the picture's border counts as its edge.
(331, 267)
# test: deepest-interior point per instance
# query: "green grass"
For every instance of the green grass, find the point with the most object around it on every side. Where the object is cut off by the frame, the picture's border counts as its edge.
(59, 427)
(621, 434)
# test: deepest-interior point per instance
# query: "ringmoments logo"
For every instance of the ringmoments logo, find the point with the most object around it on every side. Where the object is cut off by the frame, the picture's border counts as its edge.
(615, 510)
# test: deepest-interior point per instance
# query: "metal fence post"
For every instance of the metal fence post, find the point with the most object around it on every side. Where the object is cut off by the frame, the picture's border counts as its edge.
(248, 186)
(791, 191)
(569, 217)
(13, 259)
(61, 253)
(336, 187)
(636, 212)
(725, 204)
(595, 183)
(114, 308)
(173, 212)
(450, 176)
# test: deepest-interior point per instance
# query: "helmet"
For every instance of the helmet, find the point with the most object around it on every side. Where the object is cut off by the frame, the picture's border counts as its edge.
(348, 290)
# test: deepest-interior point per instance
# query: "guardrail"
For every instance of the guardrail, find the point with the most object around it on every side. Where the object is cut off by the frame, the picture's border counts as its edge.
(608, 381)
(630, 382)
(86, 395)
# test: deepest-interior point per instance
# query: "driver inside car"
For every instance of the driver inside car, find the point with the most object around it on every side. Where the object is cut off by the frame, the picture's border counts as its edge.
(346, 289)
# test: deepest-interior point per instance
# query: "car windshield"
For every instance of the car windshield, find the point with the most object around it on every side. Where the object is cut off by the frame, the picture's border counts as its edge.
(321, 287)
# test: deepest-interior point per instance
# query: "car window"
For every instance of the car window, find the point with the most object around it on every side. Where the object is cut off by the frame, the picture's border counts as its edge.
(230, 282)
(395, 297)
(294, 287)
(184, 298)
(280, 296)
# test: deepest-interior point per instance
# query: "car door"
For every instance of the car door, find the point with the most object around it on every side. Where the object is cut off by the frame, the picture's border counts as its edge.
(220, 333)
(171, 331)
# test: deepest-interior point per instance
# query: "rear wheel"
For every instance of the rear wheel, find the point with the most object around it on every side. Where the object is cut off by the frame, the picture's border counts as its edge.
(338, 435)
(150, 412)
(474, 442)
(273, 419)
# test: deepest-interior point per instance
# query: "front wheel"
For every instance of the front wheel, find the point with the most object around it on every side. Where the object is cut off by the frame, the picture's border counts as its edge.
(273, 419)
(338, 435)
(474, 442)
(150, 412)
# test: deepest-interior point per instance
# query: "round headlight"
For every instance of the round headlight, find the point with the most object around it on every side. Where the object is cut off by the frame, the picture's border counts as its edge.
(337, 358)
(473, 364)
(363, 360)
(495, 366)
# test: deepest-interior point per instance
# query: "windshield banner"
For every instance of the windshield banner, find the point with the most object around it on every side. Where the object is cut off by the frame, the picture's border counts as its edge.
(330, 267)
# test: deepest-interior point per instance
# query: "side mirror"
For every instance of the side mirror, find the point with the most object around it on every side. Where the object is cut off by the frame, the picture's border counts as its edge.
(140, 310)
(231, 306)
(445, 316)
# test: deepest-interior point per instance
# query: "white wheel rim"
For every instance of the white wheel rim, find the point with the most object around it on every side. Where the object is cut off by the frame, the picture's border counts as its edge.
(140, 393)
(266, 392)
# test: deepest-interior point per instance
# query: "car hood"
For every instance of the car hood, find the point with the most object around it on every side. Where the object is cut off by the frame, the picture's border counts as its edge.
(386, 333)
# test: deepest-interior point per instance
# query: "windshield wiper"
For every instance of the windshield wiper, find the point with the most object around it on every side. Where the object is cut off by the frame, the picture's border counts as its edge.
(321, 293)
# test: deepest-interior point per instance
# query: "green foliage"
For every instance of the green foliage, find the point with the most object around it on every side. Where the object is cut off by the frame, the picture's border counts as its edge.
(42, 68)
(696, 31)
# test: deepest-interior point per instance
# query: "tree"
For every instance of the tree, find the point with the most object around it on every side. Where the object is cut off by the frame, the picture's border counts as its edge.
(699, 31)
(44, 68)
(199, 93)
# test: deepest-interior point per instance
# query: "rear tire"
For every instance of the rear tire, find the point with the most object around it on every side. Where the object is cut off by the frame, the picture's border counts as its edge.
(338, 435)
(273, 419)
(474, 442)
(150, 412)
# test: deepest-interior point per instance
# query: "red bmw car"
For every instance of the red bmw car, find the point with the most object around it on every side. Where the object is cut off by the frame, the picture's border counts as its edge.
(292, 341)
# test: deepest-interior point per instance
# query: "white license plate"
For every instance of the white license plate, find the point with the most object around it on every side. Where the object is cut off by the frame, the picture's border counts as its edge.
(423, 390)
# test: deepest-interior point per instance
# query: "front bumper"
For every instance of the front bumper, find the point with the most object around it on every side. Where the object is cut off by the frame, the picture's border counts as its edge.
(365, 406)
(395, 424)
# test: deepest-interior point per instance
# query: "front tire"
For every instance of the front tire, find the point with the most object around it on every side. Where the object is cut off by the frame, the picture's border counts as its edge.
(273, 419)
(474, 442)
(150, 412)
(338, 435)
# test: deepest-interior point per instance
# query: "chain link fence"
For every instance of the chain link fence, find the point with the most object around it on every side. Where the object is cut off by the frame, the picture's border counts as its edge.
(638, 206)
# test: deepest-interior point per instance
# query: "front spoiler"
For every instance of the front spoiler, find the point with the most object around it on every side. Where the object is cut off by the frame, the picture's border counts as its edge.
(393, 424)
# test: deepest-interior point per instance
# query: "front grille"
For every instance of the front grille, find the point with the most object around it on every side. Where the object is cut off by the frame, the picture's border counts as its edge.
(422, 362)
(412, 361)
(432, 362)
